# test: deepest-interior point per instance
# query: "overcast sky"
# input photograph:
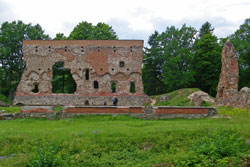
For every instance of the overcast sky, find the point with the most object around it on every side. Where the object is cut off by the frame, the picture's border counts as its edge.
(131, 19)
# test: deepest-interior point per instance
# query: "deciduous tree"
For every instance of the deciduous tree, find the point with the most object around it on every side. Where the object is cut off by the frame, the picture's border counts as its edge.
(241, 41)
(178, 55)
(11, 57)
(152, 66)
(207, 60)
(85, 30)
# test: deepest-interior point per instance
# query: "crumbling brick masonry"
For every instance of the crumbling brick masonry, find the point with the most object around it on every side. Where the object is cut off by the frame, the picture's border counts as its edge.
(94, 65)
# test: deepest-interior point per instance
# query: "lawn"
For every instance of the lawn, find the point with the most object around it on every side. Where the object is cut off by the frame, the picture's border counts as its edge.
(107, 140)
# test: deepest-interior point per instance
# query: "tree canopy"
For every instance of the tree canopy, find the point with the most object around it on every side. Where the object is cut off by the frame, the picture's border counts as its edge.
(85, 30)
(168, 60)
(11, 57)
(207, 60)
(241, 41)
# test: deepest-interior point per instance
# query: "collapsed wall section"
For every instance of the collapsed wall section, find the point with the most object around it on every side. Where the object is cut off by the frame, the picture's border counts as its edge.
(101, 69)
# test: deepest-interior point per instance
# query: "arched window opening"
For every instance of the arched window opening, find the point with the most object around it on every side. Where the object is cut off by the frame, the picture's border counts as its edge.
(96, 85)
(132, 87)
(35, 90)
(121, 64)
(86, 103)
(62, 81)
(113, 87)
(87, 74)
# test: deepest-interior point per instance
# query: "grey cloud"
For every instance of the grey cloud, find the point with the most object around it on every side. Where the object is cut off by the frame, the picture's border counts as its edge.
(67, 27)
(121, 27)
(5, 12)
(222, 26)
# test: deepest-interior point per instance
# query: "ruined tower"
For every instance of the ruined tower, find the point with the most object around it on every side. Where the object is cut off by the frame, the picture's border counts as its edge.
(227, 92)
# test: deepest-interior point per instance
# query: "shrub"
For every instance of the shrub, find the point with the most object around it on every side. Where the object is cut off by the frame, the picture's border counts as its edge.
(4, 98)
(45, 156)
(220, 147)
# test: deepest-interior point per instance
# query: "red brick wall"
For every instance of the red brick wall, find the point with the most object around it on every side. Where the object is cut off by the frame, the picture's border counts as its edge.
(108, 110)
(181, 111)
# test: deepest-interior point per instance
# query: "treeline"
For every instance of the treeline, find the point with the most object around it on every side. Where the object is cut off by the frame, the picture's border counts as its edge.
(176, 58)
(184, 57)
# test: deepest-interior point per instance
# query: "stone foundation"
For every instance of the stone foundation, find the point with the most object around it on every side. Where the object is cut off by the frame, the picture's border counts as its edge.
(37, 109)
(77, 100)
(143, 112)
(139, 111)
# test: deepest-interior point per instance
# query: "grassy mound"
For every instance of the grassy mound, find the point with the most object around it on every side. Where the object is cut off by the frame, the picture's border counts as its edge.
(177, 98)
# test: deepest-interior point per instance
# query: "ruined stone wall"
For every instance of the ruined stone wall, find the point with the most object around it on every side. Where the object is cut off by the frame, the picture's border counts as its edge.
(228, 84)
(137, 111)
(106, 61)
(227, 93)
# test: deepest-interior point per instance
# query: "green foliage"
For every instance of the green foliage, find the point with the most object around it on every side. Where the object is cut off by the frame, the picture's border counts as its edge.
(60, 36)
(107, 140)
(45, 156)
(205, 104)
(85, 30)
(10, 109)
(167, 63)
(207, 61)
(4, 99)
(152, 67)
(58, 108)
(132, 87)
(206, 28)
(177, 98)
(222, 147)
(113, 87)
(241, 40)
(236, 113)
(218, 147)
(11, 57)
(178, 54)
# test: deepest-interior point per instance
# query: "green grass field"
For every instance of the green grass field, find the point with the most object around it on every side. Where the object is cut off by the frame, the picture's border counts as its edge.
(107, 140)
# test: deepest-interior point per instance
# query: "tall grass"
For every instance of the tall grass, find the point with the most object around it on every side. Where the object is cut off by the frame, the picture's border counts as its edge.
(10, 109)
(107, 140)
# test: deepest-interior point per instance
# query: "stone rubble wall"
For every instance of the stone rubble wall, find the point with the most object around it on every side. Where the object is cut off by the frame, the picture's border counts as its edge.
(74, 100)
(139, 111)
(107, 61)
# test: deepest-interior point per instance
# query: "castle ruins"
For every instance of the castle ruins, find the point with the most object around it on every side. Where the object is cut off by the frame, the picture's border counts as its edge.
(95, 65)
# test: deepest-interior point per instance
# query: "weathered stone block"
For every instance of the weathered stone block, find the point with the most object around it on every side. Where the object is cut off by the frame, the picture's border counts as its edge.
(199, 96)
(37, 109)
